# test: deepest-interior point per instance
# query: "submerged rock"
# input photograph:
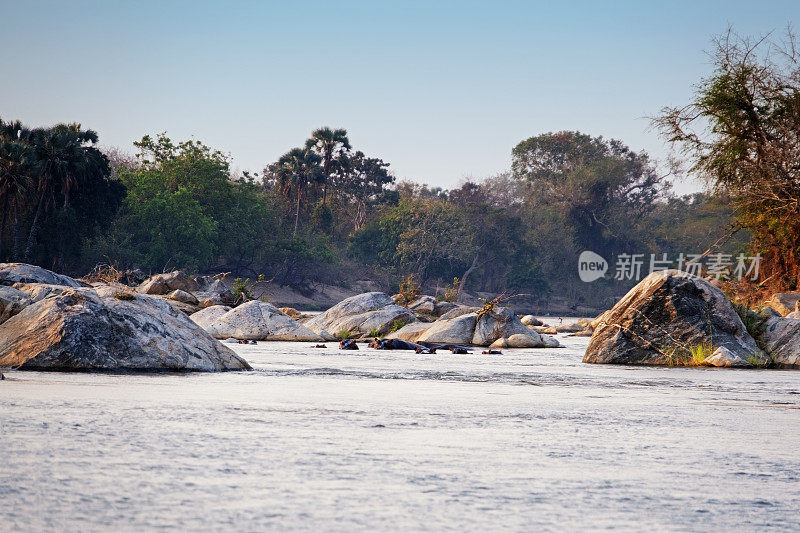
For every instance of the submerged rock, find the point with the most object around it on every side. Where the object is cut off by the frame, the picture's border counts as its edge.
(254, 320)
(662, 318)
(97, 329)
(371, 313)
(11, 273)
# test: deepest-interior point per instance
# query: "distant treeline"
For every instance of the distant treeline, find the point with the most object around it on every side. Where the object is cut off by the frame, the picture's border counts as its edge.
(325, 210)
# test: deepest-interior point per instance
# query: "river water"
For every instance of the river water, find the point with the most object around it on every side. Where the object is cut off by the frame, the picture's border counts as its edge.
(317, 439)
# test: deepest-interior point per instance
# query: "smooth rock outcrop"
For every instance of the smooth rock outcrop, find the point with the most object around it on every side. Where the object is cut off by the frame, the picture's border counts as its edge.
(168, 282)
(722, 357)
(781, 338)
(11, 273)
(206, 316)
(257, 320)
(457, 330)
(521, 340)
(410, 332)
(183, 297)
(530, 320)
(39, 291)
(12, 301)
(663, 317)
(368, 313)
(500, 323)
(88, 329)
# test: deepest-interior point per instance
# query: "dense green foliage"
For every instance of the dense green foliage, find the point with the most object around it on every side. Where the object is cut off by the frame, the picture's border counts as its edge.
(742, 133)
(324, 212)
(55, 191)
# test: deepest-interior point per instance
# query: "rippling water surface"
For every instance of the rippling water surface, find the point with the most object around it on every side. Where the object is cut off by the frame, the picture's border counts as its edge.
(332, 440)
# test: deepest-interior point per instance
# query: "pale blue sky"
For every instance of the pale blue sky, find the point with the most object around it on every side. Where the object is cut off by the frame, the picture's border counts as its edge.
(440, 90)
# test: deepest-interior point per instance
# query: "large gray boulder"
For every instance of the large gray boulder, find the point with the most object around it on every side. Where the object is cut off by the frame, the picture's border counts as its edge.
(256, 320)
(206, 316)
(12, 301)
(11, 273)
(168, 282)
(781, 338)
(368, 313)
(410, 332)
(457, 330)
(498, 324)
(663, 318)
(103, 329)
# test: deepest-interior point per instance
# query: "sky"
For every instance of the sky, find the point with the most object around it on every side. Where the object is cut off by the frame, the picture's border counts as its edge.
(441, 90)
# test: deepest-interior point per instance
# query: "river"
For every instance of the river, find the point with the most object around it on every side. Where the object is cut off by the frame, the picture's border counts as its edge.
(321, 439)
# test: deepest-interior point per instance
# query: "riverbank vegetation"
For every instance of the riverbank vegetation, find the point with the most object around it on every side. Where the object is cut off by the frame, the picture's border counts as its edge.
(325, 209)
(327, 213)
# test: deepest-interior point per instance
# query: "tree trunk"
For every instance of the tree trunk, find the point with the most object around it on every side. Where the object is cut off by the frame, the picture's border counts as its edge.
(466, 275)
(34, 229)
(3, 227)
(297, 214)
(16, 231)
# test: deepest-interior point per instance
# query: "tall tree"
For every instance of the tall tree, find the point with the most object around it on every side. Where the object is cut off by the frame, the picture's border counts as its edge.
(296, 170)
(18, 165)
(67, 158)
(328, 144)
(741, 131)
(597, 185)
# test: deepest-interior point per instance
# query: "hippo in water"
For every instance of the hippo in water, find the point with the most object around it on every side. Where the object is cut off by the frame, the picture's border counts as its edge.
(455, 348)
(348, 344)
(492, 352)
(394, 344)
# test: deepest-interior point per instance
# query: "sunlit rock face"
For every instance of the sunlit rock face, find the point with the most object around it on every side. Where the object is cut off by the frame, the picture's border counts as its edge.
(368, 313)
(666, 315)
(255, 320)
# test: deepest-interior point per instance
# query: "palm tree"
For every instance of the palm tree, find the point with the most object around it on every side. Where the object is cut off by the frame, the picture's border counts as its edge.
(67, 158)
(296, 169)
(18, 165)
(327, 143)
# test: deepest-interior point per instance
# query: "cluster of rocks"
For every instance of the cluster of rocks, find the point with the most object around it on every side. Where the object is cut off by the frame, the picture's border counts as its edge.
(457, 324)
(54, 322)
(673, 318)
(186, 293)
